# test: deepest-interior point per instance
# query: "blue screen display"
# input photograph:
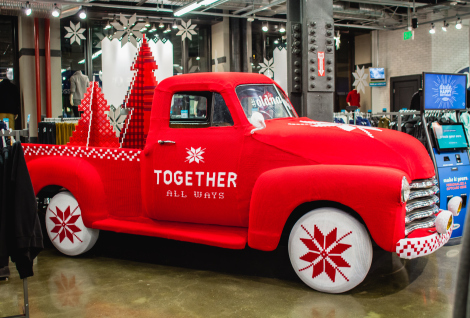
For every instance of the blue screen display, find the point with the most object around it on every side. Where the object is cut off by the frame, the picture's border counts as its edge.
(377, 73)
(450, 136)
(444, 91)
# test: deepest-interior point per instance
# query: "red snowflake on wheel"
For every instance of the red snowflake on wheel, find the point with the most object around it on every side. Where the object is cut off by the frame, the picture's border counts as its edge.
(325, 253)
(65, 224)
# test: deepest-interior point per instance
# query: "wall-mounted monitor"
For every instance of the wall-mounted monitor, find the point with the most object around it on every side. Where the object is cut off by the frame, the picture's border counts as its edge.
(445, 91)
(377, 73)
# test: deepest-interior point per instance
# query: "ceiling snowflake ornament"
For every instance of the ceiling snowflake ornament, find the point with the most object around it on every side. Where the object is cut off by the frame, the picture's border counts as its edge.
(267, 68)
(195, 155)
(128, 30)
(186, 30)
(348, 128)
(360, 79)
(75, 33)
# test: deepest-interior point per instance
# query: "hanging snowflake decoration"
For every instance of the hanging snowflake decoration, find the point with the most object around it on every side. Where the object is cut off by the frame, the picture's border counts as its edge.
(195, 155)
(267, 68)
(116, 118)
(360, 79)
(192, 68)
(128, 30)
(65, 224)
(186, 30)
(325, 253)
(319, 124)
(75, 33)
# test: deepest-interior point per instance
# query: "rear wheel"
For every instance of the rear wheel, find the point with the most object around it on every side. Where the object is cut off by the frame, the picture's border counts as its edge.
(330, 250)
(65, 226)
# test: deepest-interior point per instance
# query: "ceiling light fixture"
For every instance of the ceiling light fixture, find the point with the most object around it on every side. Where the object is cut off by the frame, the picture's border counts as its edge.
(186, 9)
(458, 26)
(168, 29)
(161, 25)
(147, 22)
(208, 2)
(153, 29)
(55, 11)
(276, 41)
(282, 29)
(175, 26)
(432, 30)
(251, 19)
(27, 9)
(265, 27)
(198, 58)
(444, 26)
(82, 14)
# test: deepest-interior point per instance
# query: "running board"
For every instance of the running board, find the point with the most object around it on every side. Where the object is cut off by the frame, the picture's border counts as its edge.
(214, 235)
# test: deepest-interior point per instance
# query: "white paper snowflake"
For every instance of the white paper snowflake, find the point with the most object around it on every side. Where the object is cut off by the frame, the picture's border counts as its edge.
(360, 79)
(195, 155)
(349, 128)
(75, 34)
(267, 68)
(116, 118)
(128, 30)
(186, 30)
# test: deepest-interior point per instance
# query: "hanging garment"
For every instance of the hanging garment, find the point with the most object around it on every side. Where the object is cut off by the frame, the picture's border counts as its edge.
(384, 122)
(20, 231)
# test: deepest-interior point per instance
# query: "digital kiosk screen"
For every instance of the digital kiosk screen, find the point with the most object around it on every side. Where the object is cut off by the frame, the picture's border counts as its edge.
(450, 137)
(445, 91)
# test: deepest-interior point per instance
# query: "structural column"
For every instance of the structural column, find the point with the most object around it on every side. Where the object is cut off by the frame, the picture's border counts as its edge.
(37, 68)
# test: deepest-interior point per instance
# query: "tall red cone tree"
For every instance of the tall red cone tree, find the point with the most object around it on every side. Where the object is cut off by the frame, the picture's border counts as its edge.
(139, 99)
(94, 128)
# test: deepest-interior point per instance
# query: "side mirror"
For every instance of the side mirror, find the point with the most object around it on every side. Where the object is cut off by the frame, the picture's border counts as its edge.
(257, 120)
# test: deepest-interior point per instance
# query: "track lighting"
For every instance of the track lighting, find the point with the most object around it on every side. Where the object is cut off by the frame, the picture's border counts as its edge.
(432, 30)
(198, 58)
(168, 29)
(108, 26)
(444, 26)
(27, 9)
(144, 29)
(458, 26)
(276, 41)
(153, 29)
(175, 26)
(265, 27)
(147, 22)
(82, 14)
(55, 11)
(161, 25)
(282, 29)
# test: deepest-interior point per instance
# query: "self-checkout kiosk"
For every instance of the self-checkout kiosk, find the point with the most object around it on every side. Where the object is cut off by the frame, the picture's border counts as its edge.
(449, 144)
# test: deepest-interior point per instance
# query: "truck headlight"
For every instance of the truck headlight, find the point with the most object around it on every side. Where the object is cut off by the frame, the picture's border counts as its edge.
(405, 190)
(455, 205)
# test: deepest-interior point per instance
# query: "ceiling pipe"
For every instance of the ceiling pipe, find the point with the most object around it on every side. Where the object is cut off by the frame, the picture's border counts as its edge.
(263, 8)
(357, 26)
(242, 9)
(218, 3)
(64, 13)
(392, 3)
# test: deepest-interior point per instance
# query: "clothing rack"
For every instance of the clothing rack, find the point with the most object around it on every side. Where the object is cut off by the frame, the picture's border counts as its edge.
(15, 133)
(60, 120)
(26, 301)
(398, 114)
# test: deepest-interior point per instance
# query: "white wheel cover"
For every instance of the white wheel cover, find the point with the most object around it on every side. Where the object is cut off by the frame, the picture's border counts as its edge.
(65, 226)
(330, 250)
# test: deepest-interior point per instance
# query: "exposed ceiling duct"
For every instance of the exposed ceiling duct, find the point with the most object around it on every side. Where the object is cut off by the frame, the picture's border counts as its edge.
(365, 10)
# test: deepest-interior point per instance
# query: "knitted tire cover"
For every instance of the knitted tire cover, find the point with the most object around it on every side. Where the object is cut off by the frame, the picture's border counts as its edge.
(65, 226)
(330, 250)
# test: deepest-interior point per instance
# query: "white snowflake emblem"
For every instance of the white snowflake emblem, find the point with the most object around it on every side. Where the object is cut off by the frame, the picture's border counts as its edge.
(349, 128)
(267, 68)
(360, 79)
(195, 154)
(186, 30)
(75, 33)
(128, 30)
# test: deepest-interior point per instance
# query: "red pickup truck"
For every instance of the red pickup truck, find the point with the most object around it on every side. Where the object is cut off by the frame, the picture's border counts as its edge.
(227, 162)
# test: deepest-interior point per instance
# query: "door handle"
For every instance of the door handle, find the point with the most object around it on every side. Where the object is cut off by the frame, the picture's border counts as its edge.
(162, 142)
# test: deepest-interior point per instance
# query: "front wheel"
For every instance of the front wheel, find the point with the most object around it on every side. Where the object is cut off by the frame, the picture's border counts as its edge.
(330, 250)
(65, 226)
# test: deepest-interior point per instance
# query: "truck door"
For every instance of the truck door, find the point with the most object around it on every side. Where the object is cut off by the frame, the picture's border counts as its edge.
(195, 163)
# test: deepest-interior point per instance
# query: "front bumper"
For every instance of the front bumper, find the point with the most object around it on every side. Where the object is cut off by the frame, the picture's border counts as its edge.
(422, 244)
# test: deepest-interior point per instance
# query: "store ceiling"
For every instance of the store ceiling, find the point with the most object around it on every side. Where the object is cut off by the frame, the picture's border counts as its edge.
(367, 14)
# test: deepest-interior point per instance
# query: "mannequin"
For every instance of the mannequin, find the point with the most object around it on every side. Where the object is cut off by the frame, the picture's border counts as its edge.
(354, 98)
(78, 86)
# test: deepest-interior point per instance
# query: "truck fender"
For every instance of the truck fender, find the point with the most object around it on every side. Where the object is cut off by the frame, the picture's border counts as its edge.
(373, 192)
(77, 176)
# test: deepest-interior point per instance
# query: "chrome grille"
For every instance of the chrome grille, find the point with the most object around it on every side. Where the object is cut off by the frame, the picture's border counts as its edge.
(422, 205)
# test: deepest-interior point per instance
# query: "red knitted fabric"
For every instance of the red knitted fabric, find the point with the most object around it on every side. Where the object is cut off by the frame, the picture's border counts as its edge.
(139, 99)
(94, 128)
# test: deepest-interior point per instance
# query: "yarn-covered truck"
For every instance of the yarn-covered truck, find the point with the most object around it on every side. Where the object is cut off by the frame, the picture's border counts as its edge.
(227, 162)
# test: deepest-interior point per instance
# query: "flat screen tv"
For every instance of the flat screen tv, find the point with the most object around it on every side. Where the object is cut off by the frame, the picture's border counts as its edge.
(377, 73)
(450, 137)
(445, 91)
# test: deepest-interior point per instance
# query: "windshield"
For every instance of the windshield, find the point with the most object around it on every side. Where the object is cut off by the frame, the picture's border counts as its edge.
(266, 99)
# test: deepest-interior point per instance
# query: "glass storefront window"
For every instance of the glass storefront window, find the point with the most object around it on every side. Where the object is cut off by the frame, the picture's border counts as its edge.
(264, 43)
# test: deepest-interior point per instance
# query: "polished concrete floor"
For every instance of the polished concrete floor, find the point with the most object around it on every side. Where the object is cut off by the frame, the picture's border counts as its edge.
(132, 276)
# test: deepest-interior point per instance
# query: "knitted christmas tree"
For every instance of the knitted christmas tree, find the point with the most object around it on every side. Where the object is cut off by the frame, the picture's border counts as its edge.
(94, 128)
(139, 99)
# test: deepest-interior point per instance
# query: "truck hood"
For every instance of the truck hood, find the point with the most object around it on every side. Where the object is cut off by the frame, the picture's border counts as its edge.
(330, 143)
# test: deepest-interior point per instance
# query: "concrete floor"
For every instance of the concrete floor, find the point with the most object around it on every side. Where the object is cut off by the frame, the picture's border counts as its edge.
(132, 276)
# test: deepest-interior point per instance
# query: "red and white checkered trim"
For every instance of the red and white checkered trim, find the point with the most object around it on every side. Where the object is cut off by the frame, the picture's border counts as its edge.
(82, 152)
(421, 246)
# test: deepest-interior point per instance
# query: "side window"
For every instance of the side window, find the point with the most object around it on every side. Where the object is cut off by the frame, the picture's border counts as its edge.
(190, 109)
(221, 114)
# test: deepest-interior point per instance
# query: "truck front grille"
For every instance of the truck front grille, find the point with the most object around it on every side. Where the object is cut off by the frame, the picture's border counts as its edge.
(422, 205)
